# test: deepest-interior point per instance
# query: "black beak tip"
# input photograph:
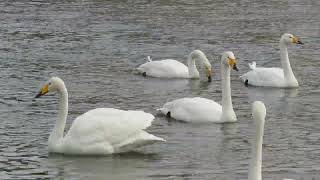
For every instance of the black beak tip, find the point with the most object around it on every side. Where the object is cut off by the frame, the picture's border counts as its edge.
(209, 79)
(235, 68)
(38, 95)
(299, 42)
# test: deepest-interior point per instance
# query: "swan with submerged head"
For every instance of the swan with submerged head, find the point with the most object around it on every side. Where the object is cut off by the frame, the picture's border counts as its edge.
(205, 110)
(170, 68)
(99, 131)
(274, 77)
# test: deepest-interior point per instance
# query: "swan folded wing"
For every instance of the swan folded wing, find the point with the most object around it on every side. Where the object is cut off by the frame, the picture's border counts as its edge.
(265, 77)
(165, 68)
(107, 125)
(194, 110)
(140, 139)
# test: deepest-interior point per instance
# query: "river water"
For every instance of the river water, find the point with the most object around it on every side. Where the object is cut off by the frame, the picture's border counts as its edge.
(95, 46)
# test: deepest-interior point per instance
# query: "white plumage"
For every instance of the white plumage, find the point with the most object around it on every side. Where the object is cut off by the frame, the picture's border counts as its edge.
(205, 110)
(170, 68)
(259, 115)
(99, 131)
(193, 109)
(274, 77)
(107, 130)
(167, 68)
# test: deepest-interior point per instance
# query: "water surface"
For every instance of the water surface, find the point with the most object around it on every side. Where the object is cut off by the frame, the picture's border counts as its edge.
(96, 45)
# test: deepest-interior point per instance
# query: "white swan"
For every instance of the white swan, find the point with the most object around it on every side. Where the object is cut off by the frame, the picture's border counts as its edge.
(170, 68)
(259, 114)
(205, 110)
(274, 77)
(99, 131)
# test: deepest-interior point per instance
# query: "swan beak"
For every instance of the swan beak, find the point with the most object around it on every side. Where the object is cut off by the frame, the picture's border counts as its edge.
(233, 64)
(44, 90)
(296, 40)
(235, 67)
(209, 74)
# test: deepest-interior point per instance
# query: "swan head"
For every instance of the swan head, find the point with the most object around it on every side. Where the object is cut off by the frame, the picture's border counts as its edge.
(197, 54)
(229, 60)
(53, 84)
(259, 112)
(289, 38)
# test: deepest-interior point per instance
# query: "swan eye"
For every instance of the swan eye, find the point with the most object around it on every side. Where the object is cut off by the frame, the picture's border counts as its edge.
(49, 83)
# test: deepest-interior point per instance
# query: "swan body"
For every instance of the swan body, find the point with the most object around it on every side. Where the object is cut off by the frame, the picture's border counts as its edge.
(167, 68)
(99, 131)
(191, 109)
(274, 77)
(205, 110)
(259, 114)
(170, 68)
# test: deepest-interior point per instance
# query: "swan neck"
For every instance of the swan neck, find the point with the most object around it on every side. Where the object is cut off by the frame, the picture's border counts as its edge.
(192, 68)
(285, 63)
(226, 90)
(58, 130)
(256, 154)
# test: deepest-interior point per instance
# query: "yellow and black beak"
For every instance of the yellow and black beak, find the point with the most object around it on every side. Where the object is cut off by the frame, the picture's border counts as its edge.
(233, 63)
(209, 74)
(44, 90)
(296, 40)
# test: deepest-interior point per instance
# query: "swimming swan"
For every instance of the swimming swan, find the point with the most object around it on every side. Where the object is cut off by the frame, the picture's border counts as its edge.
(205, 110)
(99, 131)
(274, 77)
(170, 68)
(259, 114)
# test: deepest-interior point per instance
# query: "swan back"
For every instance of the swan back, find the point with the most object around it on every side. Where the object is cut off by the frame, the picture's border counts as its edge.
(108, 130)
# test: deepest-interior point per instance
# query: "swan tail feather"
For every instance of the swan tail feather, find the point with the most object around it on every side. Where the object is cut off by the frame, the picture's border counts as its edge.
(138, 140)
(140, 67)
(252, 65)
(241, 77)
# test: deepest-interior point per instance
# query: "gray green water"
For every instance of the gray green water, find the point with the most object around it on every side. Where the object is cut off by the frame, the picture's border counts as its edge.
(96, 45)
